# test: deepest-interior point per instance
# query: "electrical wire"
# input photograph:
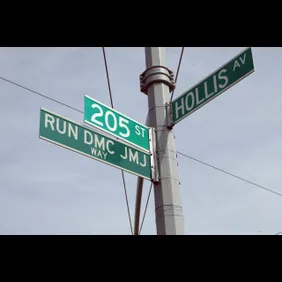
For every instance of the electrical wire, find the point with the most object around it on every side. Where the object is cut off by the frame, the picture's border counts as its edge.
(278, 233)
(178, 68)
(80, 111)
(185, 155)
(108, 77)
(126, 198)
(122, 172)
(40, 94)
(145, 210)
(123, 178)
(231, 174)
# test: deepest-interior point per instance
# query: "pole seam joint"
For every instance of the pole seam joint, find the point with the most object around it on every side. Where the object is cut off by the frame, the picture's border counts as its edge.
(156, 74)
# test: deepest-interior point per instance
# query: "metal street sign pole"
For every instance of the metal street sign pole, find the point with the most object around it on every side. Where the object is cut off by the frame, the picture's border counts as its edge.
(157, 82)
(213, 85)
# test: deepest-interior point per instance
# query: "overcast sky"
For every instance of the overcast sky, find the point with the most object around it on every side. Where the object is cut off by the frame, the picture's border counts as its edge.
(46, 189)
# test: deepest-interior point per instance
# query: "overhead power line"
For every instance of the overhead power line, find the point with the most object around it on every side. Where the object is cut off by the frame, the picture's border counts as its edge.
(278, 233)
(108, 77)
(122, 172)
(185, 155)
(145, 210)
(80, 111)
(40, 94)
(178, 68)
(230, 174)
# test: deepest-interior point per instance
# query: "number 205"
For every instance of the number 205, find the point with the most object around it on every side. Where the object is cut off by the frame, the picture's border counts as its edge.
(121, 121)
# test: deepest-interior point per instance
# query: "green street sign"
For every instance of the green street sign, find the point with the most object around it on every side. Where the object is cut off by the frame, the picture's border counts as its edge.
(115, 123)
(213, 85)
(71, 135)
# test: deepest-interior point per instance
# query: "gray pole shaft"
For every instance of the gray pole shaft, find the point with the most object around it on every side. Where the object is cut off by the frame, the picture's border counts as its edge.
(168, 205)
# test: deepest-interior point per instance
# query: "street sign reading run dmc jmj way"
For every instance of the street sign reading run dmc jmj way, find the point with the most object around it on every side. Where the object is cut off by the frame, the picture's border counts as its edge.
(115, 123)
(70, 135)
(210, 87)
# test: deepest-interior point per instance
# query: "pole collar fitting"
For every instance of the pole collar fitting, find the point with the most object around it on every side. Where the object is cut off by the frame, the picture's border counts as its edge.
(156, 74)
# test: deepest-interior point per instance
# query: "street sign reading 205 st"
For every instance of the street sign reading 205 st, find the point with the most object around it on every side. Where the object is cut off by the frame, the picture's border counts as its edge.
(115, 123)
